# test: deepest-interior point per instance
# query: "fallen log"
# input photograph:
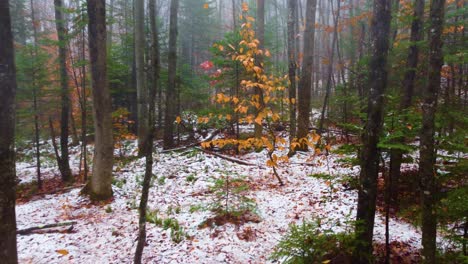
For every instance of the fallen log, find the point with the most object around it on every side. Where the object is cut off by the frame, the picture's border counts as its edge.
(35, 228)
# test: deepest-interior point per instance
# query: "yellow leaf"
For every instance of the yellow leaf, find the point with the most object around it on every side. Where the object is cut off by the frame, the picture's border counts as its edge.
(259, 119)
(178, 120)
(245, 7)
(206, 6)
(62, 251)
(220, 47)
(326, 261)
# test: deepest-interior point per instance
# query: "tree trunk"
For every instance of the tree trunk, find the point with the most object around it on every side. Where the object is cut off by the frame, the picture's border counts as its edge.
(100, 185)
(396, 156)
(292, 62)
(142, 92)
(62, 160)
(305, 83)
(427, 153)
(330, 67)
(35, 103)
(369, 158)
(8, 250)
(258, 128)
(149, 148)
(171, 94)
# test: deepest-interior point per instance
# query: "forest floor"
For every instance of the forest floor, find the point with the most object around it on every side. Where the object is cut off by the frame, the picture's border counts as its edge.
(107, 232)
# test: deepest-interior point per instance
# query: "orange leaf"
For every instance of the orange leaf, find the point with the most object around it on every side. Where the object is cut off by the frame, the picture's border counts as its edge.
(62, 251)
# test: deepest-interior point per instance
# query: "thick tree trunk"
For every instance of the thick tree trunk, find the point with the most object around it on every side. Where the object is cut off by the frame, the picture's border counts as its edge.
(142, 92)
(171, 93)
(396, 156)
(305, 83)
(292, 62)
(8, 250)
(100, 185)
(62, 160)
(427, 171)
(369, 158)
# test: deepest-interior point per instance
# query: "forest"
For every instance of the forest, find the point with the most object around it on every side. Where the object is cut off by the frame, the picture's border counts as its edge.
(233, 131)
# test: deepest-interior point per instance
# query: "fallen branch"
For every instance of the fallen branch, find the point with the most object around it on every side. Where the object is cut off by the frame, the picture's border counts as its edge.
(193, 144)
(238, 161)
(32, 229)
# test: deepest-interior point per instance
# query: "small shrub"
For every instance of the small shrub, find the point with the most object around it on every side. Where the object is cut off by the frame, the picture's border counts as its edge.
(306, 243)
(191, 178)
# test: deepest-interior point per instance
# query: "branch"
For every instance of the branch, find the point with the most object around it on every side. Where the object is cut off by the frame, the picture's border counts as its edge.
(32, 229)
(238, 161)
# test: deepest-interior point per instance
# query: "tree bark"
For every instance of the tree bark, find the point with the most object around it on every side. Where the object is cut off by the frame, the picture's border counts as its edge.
(171, 93)
(396, 156)
(142, 92)
(100, 185)
(305, 83)
(369, 158)
(427, 170)
(8, 250)
(62, 160)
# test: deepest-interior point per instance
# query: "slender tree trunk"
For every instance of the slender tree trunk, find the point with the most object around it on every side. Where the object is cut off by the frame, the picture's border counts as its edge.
(100, 185)
(62, 160)
(396, 156)
(8, 250)
(149, 148)
(292, 62)
(305, 83)
(369, 158)
(427, 171)
(35, 103)
(258, 128)
(142, 92)
(171, 94)
(330, 68)
(83, 107)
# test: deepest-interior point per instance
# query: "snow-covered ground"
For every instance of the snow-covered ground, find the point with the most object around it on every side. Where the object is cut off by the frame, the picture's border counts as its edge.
(107, 233)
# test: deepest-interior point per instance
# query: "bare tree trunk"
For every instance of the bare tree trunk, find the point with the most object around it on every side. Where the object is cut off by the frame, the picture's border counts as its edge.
(35, 103)
(142, 92)
(100, 185)
(8, 250)
(369, 158)
(62, 160)
(171, 94)
(396, 156)
(292, 62)
(305, 83)
(427, 171)
(149, 148)
(330, 67)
